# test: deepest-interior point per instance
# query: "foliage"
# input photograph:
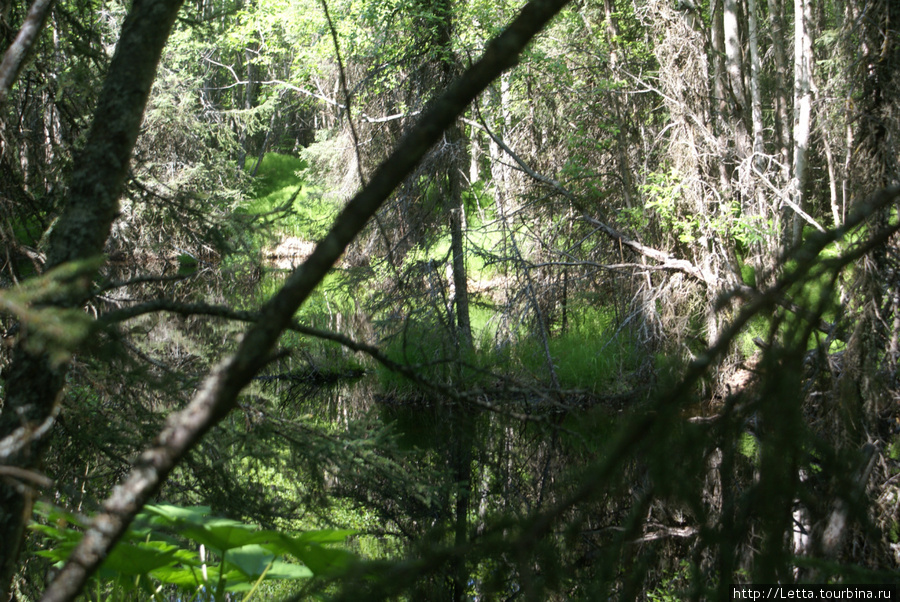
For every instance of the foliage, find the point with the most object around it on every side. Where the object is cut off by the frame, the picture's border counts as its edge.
(664, 388)
(201, 555)
(56, 331)
(284, 202)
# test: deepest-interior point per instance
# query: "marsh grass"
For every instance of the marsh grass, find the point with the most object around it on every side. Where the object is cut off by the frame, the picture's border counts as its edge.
(592, 354)
(285, 202)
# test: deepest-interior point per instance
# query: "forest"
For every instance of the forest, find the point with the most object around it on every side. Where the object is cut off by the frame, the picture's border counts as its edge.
(448, 299)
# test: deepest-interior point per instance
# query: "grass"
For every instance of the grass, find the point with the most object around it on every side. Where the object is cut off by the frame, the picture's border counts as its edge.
(589, 355)
(279, 179)
(816, 291)
(476, 265)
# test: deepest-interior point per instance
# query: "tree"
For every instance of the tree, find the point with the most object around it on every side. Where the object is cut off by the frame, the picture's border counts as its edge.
(658, 391)
(35, 378)
(84, 227)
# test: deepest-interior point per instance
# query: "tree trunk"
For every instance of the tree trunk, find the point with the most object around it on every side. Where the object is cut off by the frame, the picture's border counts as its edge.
(628, 188)
(17, 54)
(720, 107)
(458, 242)
(98, 177)
(802, 108)
(755, 96)
(456, 162)
(782, 128)
(733, 54)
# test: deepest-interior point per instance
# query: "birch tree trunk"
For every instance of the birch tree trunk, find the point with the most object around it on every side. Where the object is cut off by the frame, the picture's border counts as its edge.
(628, 188)
(733, 53)
(802, 109)
(780, 98)
(720, 91)
(755, 96)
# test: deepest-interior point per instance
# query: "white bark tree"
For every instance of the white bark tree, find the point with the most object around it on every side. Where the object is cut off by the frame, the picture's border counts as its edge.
(802, 110)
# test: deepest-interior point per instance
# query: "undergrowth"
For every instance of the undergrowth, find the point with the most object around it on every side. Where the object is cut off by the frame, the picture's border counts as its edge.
(284, 202)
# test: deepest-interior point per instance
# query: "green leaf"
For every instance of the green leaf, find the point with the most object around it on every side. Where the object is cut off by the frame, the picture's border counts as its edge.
(192, 577)
(54, 532)
(224, 534)
(318, 558)
(288, 571)
(138, 559)
(251, 560)
(59, 554)
(197, 515)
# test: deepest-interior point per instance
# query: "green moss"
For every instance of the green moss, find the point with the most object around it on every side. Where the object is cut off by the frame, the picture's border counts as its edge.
(749, 446)
(758, 327)
(893, 451)
(748, 274)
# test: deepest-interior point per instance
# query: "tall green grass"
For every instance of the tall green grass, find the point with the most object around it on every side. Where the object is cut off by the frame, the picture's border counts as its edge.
(286, 202)
(592, 354)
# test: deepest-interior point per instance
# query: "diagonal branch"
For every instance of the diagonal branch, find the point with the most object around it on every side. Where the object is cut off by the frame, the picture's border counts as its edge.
(17, 53)
(219, 392)
(667, 261)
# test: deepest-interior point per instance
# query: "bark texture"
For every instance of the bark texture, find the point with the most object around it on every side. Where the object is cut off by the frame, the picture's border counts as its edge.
(34, 381)
(17, 54)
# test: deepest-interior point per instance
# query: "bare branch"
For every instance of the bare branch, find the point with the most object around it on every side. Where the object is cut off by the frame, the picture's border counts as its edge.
(668, 262)
(18, 52)
(22, 474)
(24, 436)
(786, 199)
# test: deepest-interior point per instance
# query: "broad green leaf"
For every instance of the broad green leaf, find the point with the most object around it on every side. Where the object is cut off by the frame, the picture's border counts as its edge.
(197, 515)
(59, 554)
(251, 560)
(223, 534)
(182, 577)
(288, 571)
(319, 559)
(138, 559)
(54, 514)
(56, 533)
(193, 577)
